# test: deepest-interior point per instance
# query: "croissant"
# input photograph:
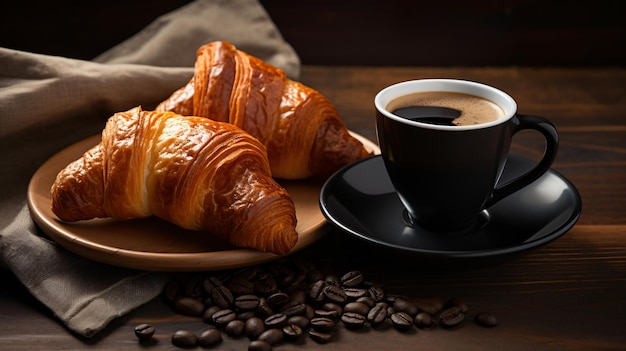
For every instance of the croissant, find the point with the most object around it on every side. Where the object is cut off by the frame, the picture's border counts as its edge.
(194, 172)
(302, 131)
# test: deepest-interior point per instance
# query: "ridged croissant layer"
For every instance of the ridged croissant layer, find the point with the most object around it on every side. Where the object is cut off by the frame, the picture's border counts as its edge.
(194, 172)
(301, 129)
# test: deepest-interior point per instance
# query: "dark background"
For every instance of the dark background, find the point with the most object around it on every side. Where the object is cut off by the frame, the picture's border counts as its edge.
(351, 32)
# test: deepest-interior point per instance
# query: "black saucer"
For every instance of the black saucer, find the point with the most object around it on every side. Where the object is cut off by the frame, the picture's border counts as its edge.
(360, 200)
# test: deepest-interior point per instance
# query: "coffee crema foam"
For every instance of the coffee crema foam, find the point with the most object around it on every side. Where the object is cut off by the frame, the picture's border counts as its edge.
(474, 109)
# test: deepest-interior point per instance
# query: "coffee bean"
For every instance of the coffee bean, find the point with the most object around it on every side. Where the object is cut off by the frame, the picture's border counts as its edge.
(356, 307)
(259, 345)
(209, 337)
(294, 308)
(300, 321)
(332, 279)
(207, 317)
(222, 296)
(377, 293)
(184, 338)
(332, 314)
(377, 314)
(272, 336)
(245, 315)
(430, 306)
(353, 320)
(423, 320)
(277, 320)
(292, 332)
(486, 320)
(325, 325)
(451, 317)
(317, 291)
(210, 283)
(278, 299)
(222, 317)
(319, 336)
(402, 321)
(247, 302)
(367, 300)
(240, 286)
(235, 328)
(254, 327)
(352, 278)
(335, 293)
(264, 308)
(144, 332)
(355, 293)
(331, 306)
(188, 306)
(405, 306)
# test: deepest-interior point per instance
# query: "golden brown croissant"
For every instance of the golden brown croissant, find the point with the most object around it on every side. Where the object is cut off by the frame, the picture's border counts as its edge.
(301, 129)
(194, 172)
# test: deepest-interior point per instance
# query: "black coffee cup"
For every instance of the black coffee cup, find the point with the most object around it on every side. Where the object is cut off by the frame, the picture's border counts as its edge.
(447, 175)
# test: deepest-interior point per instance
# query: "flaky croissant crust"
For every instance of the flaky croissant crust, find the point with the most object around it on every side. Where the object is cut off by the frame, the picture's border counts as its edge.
(302, 130)
(194, 172)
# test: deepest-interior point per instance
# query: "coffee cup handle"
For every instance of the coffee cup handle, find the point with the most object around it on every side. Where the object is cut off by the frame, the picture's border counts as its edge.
(548, 130)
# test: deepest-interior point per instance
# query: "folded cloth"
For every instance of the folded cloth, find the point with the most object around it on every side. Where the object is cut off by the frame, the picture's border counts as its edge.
(47, 103)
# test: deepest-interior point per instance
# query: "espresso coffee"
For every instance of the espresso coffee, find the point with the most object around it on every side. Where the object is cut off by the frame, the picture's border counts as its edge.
(445, 108)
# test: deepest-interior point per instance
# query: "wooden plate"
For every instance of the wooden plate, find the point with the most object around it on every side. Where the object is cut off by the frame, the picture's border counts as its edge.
(153, 244)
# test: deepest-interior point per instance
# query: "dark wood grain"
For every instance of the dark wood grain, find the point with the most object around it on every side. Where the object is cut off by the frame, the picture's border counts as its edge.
(567, 295)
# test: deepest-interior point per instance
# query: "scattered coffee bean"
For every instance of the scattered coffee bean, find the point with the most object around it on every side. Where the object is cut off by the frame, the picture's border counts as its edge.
(451, 317)
(184, 338)
(272, 336)
(331, 314)
(235, 328)
(353, 320)
(223, 317)
(355, 293)
(301, 321)
(321, 324)
(402, 321)
(377, 293)
(352, 278)
(222, 296)
(486, 320)
(423, 320)
(377, 314)
(292, 332)
(357, 307)
(188, 306)
(277, 299)
(293, 308)
(144, 332)
(319, 337)
(259, 345)
(254, 327)
(209, 337)
(335, 294)
(288, 298)
(277, 320)
(405, 306)
(247, 302)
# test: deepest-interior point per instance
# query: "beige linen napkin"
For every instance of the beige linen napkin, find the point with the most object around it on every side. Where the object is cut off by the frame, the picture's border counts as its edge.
(47, 103)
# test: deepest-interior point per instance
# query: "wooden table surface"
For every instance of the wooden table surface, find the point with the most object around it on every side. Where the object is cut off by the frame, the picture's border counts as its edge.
(567, 295)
